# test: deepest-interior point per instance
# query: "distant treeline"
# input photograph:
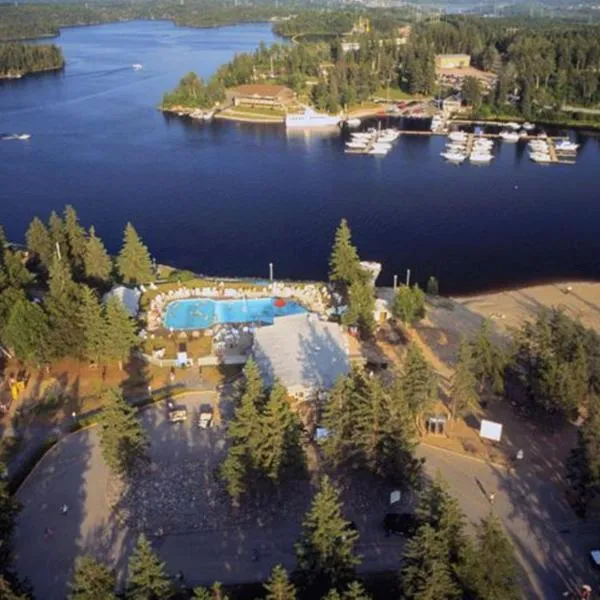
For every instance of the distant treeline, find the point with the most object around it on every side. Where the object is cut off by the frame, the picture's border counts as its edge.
(44, 20)
(19, 59)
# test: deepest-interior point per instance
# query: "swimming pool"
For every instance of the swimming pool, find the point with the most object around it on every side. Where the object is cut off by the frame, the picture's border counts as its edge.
(201, 313)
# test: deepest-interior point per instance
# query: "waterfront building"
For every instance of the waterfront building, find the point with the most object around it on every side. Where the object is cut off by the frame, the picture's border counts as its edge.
(305, 354)
(452, 61)
(261, 94)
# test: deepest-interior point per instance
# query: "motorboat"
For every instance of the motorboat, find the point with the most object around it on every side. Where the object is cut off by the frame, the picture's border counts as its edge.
(457, 136)
(453, 156)
(483, 143)
(15, 136)
(480, 158)
(310, 119)
(540, 157)
(509, 136)
(380, 149)
(566, 146)
(528, 126)
(543, 135)
(207, 116)
(355, 122)
(388, 135)
(512, 125)
(357, 145)
(24, 136)
(455, 147)
(137, 67)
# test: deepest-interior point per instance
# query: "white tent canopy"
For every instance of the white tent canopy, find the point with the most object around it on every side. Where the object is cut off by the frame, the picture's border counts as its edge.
(129, 298)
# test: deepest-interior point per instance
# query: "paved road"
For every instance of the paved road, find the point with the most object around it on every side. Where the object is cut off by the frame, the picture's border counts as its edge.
(552, 545)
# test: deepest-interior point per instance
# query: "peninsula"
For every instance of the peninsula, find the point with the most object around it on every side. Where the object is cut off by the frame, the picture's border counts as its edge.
(17, 60)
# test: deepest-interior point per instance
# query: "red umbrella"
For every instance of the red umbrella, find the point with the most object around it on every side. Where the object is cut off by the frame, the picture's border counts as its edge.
(279, 302)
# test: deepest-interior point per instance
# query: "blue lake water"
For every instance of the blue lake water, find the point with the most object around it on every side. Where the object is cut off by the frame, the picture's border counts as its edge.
(228, 198)
(203, 313)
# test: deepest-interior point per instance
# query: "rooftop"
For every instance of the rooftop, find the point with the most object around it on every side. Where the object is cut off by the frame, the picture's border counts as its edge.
(302, 351)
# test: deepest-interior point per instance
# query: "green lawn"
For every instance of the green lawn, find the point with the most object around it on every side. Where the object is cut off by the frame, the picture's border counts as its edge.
(396, 94)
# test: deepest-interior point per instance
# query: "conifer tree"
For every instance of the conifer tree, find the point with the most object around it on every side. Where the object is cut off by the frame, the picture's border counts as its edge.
(133, 262)
(488, 360)
(409, 305)
(233, 472)
(8, 593)
(97, 262)
(91, 581)
(419, 384)
(361, 305)
(91, 321)
(62, 305)
(3, 240)
(214, 593)
(344, 263)
(13, 272)
(26, 332)
(489, 570)
(355, 591)
(332, 594)
(426, 574)
(279, 587)
(147, 578)
(279, 442)
(58, 237)
(39, 243)
(76, 240)
(120, 335)
(8, 299)
(583, 466)
(123, 441)
(464, 398)
(325, 551)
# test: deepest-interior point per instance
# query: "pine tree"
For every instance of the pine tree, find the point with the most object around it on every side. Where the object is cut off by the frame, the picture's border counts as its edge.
(134, 263)
(355, 591)
(14, 273)
(325, 551)
(91, 321)
(8, 299)
(8, 593)
(39, 243)
(122, 439)
(3, 240)
(426, 574)
(279, 587)
(120, 332)
(464, 398)
(409, 305)
(489, 570)
(92, 581)
(97, 262)
(214, 593)
(419, 384)
(279, 442)
(58, 236)
(147, 578)
(233, 472)
(76, 240)
(361, 306)
(26, 332)
(583, 466)
(488, 360)
(62, 304)
(344, 264)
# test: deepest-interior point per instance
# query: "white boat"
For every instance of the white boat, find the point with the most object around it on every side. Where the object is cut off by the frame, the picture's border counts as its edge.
(512, 125)
(540, 157)
(523, 134)
(528, 126)
(483, 143)
(480, 158)
(380, 149)
(207, 116)
(566, 146)
(353, 122)
(458, 136)
(24, 136)
(310, 119)
(453, 156)
(455, 147)
(388, 136)
(543, 135)
(137, 67)
(356, 145)
(509, 136)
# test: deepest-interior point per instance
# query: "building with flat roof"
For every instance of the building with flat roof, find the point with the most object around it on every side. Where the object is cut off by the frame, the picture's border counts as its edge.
(452, 61)
(261, 94)
(305, 354)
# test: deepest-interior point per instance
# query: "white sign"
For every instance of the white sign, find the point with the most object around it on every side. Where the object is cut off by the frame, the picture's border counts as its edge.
(395, 497)
(490, 430)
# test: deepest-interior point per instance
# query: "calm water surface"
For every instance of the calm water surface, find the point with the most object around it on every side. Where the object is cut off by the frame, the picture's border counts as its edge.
(229, 198)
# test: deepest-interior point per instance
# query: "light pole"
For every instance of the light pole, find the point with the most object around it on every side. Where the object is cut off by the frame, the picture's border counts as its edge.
(271, 272)
(407, 277)
(395, 282)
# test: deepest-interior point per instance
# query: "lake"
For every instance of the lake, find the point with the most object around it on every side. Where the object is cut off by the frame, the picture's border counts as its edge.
(227, 198)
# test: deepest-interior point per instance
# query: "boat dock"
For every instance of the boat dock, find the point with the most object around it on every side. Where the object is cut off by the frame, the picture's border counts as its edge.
(559, 158)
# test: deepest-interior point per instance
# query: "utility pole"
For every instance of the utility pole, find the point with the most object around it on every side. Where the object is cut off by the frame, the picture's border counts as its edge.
(407, 277)
(395, 282)
(271, 272)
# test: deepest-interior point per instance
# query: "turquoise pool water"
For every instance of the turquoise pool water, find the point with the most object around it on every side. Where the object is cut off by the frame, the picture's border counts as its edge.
(201, 313)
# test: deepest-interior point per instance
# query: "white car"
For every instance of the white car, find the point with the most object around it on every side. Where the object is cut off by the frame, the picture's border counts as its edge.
(595, 558)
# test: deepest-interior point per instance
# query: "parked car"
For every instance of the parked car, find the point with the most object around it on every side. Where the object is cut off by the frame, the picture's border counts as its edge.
(400, 524)
(176, 414)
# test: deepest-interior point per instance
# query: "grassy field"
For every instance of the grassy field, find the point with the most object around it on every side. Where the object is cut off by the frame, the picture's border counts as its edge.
(396, 94)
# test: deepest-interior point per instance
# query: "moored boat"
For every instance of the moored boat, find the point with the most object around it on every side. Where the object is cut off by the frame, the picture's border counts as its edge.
(310, 119)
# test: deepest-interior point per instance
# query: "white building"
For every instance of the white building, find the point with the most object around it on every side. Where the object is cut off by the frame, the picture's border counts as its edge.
(129, 298)
(305, 354)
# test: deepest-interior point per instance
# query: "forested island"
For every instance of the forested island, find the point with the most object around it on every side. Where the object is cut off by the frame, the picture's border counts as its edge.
(538, 68)
(17, 60)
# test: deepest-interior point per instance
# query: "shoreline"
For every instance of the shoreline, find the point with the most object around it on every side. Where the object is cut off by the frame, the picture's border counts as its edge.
(21, 75)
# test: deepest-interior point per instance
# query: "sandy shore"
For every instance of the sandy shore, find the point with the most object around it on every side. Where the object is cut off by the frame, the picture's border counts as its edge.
(580, 300)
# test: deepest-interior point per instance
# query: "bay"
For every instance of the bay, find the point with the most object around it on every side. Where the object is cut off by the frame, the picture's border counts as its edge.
(228, 198)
